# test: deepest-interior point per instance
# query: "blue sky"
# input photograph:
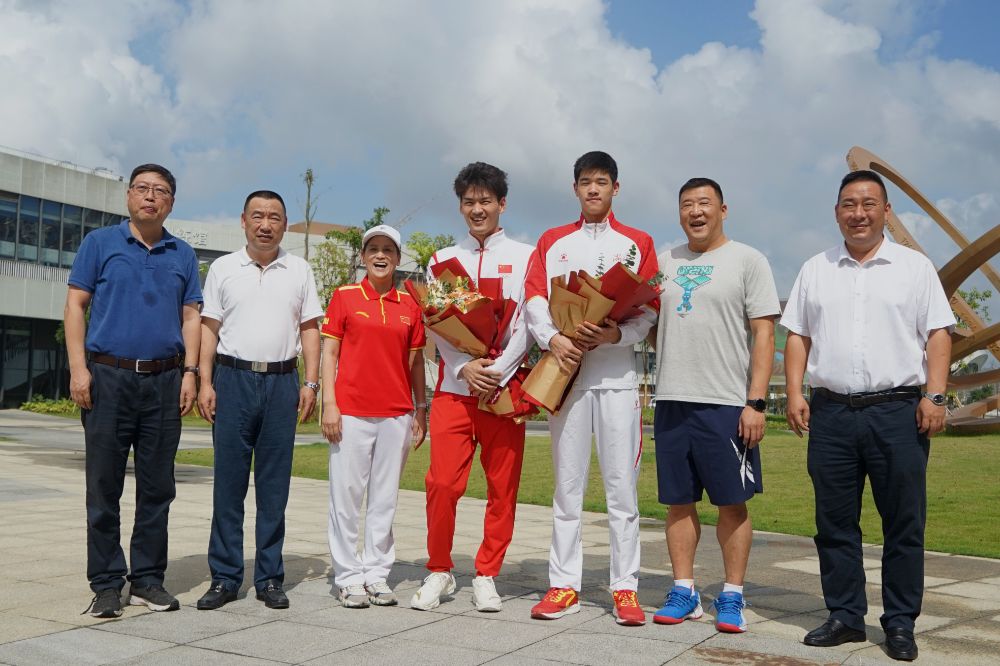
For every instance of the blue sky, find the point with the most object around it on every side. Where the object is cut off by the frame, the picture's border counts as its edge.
(387, 100)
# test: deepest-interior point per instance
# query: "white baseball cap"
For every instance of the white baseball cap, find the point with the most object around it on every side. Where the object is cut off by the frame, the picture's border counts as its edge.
(383, 230)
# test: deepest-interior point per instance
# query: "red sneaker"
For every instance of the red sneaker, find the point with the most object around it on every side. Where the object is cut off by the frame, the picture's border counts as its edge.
(627, 610)
(558, 601)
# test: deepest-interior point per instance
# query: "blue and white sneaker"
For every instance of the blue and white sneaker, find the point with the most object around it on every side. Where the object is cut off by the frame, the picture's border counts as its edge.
(729, 613)
(682, 603)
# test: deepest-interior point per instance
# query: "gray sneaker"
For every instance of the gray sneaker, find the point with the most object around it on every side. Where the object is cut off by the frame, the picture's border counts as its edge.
(354, 596)
(380, 594)
(153, 597)
(106, 603)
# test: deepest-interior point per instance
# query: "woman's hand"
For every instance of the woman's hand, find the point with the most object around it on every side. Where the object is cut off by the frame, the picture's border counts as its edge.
(332, 423)
(419, 427)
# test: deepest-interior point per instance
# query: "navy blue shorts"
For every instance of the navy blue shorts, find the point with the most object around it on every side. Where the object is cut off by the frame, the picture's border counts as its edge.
(698, 448)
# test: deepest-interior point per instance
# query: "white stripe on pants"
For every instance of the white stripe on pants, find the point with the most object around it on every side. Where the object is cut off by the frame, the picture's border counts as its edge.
(613, 416)
(371, 455)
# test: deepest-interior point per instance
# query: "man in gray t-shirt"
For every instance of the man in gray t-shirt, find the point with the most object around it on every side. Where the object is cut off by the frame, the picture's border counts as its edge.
(715, 348)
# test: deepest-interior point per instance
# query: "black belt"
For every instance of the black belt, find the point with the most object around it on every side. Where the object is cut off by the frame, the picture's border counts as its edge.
(143, 367)
(263, 367)
(871, 398)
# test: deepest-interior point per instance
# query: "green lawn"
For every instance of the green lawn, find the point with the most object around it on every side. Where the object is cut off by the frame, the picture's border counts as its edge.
(963, 488)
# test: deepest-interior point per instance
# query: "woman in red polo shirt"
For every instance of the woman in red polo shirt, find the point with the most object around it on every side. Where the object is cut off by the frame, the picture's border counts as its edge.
(373, 363)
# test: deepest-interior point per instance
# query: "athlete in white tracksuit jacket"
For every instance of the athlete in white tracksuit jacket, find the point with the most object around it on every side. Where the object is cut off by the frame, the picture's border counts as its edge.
(604, 400)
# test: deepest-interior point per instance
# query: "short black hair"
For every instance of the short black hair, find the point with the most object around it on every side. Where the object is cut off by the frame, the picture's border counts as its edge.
(481, 175)
(596, 160)
(265, 194)
(695, 183)
(157, 169)
(862, 175)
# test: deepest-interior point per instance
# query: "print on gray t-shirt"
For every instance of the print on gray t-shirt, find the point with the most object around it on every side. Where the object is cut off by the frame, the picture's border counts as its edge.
(703, 340)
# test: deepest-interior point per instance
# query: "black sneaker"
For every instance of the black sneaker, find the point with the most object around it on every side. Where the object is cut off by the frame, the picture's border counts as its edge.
(272, 595)
(106, 603)
(217, 596)
(154, 597)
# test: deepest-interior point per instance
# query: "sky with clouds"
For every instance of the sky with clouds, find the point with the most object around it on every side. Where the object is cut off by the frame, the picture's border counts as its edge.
(386, 100)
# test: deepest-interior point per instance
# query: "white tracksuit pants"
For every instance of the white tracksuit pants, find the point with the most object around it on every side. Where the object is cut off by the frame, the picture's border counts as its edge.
(370, 456)
(614, 417)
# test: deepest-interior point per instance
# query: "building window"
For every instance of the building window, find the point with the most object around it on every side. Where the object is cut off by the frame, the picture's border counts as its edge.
(8, 224)
(51, 226)
(91, 220)
(15, 362)
(27, 231)
(72, 233)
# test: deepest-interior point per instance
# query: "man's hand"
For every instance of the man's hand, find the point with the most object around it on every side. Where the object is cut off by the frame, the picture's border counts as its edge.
(79, 388)
(751, 427)
(930, 417)
(592, 336)
(307, 402)
(189, 392)
(419, 427)
(797, 413)
(206, 402)
(567, 354)
(480, 380)
(332, 423)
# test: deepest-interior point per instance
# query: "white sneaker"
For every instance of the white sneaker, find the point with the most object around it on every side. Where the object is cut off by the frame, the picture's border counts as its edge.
(484, 595)
(354, 596)
(380, 594)
(436, 585)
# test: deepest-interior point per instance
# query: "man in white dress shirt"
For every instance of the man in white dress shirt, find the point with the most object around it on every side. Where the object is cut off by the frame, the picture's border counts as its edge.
(261, 309)
(869, 321)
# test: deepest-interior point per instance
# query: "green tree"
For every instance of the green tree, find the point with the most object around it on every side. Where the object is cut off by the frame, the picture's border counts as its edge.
(351, 237)
(978, 301)
(330, 268)
(310, 207)
(336, 260)
(422, 246)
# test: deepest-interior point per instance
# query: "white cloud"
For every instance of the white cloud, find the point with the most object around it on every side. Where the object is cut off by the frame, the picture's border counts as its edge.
(239, 92)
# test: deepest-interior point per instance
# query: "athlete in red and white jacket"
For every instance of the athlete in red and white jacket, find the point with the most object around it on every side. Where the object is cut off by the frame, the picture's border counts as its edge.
(604, 400)
(457, 424)
(497, 256)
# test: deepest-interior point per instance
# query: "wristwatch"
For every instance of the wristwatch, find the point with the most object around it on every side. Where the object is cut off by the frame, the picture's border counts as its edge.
(313, 385)
(758, 404)
(192, 368)
(938, 399)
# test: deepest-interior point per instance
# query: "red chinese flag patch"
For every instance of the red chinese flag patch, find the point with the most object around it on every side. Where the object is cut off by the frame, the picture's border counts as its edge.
(505, 268)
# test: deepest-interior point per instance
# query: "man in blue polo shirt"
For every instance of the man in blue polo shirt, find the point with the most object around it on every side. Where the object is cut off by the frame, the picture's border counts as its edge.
(133, 373)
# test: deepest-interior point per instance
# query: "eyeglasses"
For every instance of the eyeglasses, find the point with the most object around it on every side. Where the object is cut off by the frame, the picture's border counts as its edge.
(159, 192)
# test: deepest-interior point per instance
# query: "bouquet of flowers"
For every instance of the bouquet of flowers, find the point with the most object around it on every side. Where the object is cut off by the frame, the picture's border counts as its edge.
(618, 294)
(474, 319)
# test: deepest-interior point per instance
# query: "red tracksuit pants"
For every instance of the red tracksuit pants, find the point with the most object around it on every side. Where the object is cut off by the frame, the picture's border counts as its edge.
(457, 426)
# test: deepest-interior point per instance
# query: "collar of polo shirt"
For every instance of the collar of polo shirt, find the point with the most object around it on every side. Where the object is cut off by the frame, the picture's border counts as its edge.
(246, 259)
(886, 253)
(370, 294)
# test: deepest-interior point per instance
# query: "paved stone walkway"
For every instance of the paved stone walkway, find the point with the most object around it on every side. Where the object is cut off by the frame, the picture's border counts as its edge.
(43, 550)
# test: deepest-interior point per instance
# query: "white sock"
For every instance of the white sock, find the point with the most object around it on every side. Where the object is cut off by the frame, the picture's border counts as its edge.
(729, 587)
(685, 582)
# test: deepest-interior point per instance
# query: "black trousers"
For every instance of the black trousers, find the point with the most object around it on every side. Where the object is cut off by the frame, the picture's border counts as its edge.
(882, 442)
(142, 413)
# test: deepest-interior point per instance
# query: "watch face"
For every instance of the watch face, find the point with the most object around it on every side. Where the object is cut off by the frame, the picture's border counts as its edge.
(760, 404)
(936, 398)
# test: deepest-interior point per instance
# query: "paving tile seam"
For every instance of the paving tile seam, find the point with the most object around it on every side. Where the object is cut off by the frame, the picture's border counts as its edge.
(544, 638)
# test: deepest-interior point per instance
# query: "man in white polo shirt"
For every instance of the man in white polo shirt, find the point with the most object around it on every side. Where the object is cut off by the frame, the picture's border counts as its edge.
(261, 309)
(870, 322)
